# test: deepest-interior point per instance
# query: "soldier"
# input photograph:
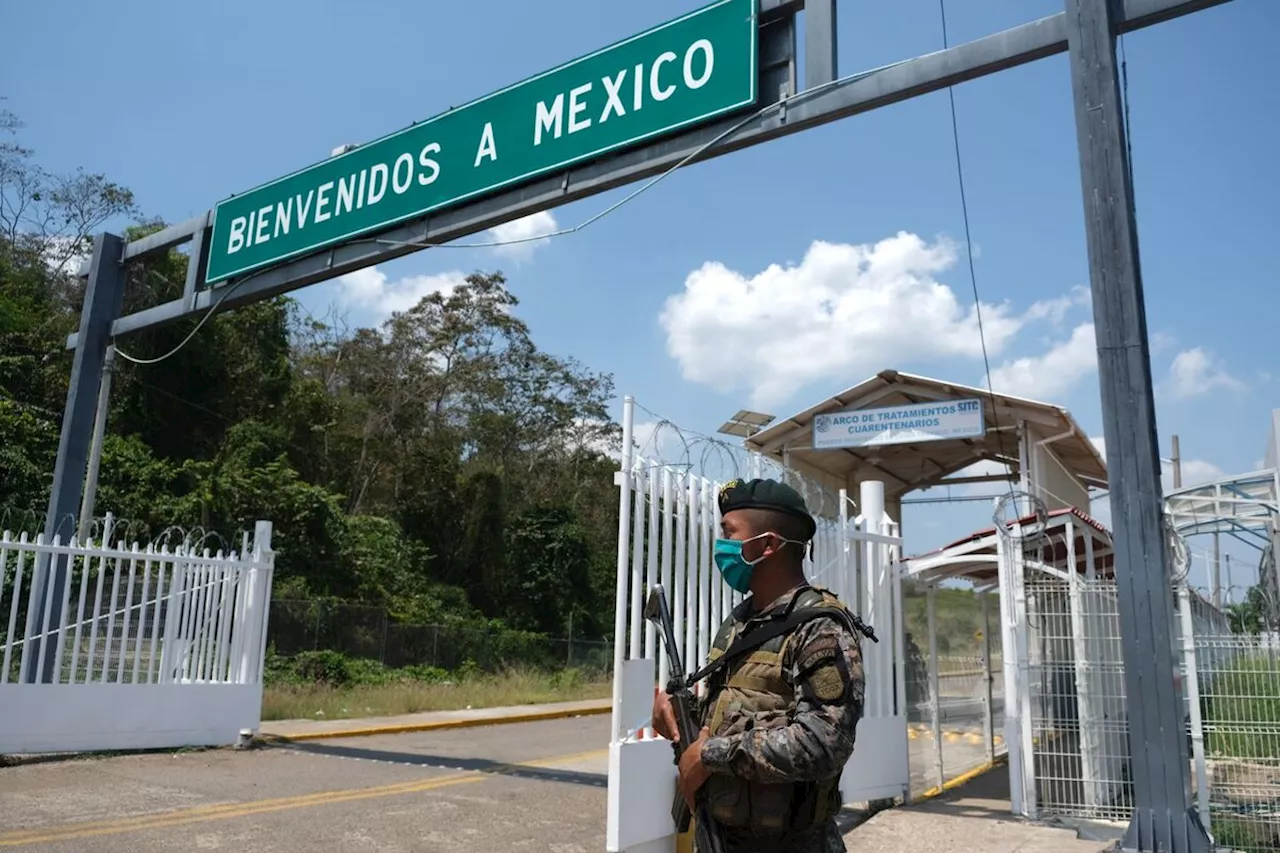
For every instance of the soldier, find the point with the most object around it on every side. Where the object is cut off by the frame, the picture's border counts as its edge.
(778, 723)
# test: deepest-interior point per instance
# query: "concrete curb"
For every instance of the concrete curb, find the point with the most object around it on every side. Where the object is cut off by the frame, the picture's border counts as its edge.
(438, 725)
(957, 781)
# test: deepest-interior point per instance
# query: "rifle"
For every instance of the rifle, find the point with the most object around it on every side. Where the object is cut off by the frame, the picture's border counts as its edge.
(707, 830)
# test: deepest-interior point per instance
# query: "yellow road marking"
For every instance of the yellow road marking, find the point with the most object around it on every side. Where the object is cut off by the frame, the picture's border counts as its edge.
(164, 820)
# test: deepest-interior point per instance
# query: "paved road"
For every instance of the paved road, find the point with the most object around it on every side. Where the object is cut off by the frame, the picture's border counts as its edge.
(536, 786)
(533, 786)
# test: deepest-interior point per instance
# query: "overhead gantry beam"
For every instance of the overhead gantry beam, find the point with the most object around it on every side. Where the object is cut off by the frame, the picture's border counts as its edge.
(814, 107)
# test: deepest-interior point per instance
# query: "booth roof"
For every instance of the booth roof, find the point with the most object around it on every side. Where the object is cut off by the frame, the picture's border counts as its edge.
(906, 467)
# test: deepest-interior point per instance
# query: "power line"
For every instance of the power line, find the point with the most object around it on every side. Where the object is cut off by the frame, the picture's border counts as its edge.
(716, 140)
(968, 239)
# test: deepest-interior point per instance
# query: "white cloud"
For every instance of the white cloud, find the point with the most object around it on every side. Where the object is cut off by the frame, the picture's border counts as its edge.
(1195, 472)
(370, 289)
(530, 232)
(1195, 372)
(843, 311)
(1162, 342)
(1044, 377)
(1056, 310)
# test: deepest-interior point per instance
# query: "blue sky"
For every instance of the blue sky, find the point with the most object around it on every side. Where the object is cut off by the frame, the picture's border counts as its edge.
(186, 105)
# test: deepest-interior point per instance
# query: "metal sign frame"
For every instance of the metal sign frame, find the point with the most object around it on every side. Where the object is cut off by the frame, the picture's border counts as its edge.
(1163, 818)
(736, 28)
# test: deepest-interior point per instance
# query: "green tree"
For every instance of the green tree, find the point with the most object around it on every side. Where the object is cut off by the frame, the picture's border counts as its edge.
(548, 546)
(441, 465)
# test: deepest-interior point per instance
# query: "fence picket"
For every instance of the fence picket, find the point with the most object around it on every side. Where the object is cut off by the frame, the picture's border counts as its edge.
(13, 605)
(128, 617)
(124, 630)
(142, 616)
(160, 604)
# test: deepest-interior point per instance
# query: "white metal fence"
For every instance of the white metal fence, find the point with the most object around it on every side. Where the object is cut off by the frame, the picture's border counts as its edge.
(141, 646)
(1238, 760)
(1229, 685)
(668, 522)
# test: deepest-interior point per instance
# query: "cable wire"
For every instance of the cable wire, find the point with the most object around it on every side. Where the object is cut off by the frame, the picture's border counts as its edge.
(208, 314)
(968, 238)
(735, 128)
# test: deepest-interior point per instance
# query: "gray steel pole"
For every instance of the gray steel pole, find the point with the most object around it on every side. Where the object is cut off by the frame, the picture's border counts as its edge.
(1177, 464)
(102, 299)
(1163, 819)
(1216, 580)
(95, 451)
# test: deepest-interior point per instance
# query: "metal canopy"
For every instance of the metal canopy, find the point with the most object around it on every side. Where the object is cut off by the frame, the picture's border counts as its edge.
(1230, 505)
(907, 467)
(975, 557)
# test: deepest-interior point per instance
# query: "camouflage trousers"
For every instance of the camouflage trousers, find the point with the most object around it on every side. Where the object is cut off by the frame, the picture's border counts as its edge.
(824, 838)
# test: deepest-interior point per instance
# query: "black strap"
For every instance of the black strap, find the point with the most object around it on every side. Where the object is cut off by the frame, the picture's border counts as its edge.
(752, 640)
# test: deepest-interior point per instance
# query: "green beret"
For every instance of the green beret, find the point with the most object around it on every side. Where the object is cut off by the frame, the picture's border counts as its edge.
(765, 494)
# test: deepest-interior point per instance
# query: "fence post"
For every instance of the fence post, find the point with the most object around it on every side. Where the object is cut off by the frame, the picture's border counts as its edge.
(935, 716)
(257, 605)
(623, 481)
(1191, 678)
(172, 644)
(1022, 635)
(1085, 715)
(988, 710)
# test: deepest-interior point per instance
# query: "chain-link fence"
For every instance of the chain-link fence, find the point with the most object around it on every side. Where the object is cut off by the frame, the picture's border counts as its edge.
(369, 633)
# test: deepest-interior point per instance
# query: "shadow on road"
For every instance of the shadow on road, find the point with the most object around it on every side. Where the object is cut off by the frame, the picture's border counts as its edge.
(477, 765)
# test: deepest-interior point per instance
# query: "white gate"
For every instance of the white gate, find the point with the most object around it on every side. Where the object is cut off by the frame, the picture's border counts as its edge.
(668, 522)
(154, 648)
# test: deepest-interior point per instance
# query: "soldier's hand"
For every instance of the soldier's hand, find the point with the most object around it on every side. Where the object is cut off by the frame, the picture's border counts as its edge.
(664, 717)
(692, 771)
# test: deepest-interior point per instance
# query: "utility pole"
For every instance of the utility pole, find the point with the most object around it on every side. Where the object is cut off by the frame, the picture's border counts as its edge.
(1163, 819)
(1177, 464)
(95, 450)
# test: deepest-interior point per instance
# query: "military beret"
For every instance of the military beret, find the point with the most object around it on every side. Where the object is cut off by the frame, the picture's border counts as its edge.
(765, 494)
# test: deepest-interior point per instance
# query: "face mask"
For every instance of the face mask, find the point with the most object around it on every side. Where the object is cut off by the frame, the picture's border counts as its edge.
(734, 568)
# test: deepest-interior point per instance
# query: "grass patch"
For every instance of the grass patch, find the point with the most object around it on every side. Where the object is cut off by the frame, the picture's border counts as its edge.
(284, 700)
(1242, 710)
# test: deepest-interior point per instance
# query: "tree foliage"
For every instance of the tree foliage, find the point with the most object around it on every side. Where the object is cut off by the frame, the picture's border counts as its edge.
(1251, 615)
(441, 465)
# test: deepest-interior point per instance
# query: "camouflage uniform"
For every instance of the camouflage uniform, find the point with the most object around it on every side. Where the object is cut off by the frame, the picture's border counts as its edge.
(783, 721)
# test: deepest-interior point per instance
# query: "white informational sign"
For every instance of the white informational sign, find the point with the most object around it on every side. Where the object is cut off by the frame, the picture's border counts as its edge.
(933, 421)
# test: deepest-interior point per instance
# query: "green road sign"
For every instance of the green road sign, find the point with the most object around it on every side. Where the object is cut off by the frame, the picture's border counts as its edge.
(681, 73)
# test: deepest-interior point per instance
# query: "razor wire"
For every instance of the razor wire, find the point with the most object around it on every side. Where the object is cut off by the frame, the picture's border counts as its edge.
(661, 443)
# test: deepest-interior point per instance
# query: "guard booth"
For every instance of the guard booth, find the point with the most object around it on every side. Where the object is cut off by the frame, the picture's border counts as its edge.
(854, 456)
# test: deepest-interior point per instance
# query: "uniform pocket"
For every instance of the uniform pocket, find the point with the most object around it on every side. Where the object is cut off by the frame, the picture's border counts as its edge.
(727, 800)
(770, 806)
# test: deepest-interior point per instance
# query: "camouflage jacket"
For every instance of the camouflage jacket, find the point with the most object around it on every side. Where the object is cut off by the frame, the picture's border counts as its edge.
(822, 661)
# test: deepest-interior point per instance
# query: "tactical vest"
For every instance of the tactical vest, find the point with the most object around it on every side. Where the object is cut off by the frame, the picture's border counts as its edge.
(753, 693)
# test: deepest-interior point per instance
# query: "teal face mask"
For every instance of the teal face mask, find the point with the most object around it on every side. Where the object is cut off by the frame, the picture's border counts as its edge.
(734, 568)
